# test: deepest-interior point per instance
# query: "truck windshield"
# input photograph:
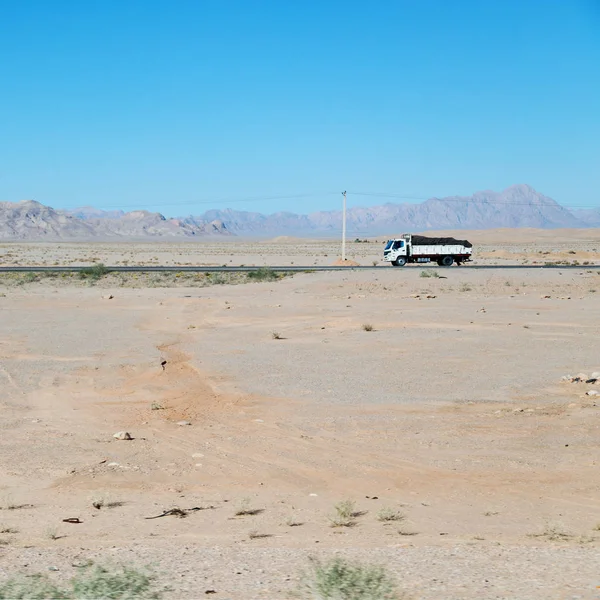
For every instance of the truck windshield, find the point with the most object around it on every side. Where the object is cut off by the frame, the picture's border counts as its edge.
(389, 244)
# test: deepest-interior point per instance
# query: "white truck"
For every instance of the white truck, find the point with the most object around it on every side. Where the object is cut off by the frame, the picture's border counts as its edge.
(410, 248)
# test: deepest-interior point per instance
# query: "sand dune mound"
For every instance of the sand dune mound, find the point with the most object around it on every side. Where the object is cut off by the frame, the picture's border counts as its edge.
(345, 263)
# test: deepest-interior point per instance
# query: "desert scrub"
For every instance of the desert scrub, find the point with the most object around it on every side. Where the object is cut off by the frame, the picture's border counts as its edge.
(94, 273)
(344, 514)
(91, 583)
(339, 579)
(98, 275)
(263, 274)
(389, 514)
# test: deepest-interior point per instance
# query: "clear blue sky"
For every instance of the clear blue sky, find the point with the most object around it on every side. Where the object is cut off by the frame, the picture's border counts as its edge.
(171, 104)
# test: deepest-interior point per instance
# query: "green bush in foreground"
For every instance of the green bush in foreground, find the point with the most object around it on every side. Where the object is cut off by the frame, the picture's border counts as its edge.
(92, 583)
(338, 579)
(36, 587)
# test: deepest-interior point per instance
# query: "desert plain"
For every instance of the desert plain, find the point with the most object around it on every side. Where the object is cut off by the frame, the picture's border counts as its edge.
(433, 398)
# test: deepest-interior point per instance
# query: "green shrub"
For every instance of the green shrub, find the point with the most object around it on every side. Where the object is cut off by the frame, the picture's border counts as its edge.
(91, 583)
(95, 272)
(338, 579)
(36, 587)
(263, 274)
(122, 583)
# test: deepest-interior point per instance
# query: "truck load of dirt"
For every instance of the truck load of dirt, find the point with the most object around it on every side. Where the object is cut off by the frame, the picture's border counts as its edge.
(345, 263)
(421, 240)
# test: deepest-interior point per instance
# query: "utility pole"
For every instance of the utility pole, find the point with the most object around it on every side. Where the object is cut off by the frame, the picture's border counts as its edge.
(344, 227)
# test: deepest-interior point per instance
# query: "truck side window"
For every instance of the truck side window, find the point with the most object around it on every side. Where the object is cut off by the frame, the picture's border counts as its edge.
(398, 245)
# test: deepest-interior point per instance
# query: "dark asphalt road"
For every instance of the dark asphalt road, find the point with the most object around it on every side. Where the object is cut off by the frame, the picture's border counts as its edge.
(292, 268)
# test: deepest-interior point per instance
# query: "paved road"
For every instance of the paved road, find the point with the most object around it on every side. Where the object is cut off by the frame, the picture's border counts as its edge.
(292, 268)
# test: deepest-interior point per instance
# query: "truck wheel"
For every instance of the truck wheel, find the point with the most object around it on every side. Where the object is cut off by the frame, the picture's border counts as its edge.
(399, 262)
(447, 261)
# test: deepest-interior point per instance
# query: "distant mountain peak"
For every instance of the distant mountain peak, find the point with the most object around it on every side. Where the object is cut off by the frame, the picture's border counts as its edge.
(517, 206)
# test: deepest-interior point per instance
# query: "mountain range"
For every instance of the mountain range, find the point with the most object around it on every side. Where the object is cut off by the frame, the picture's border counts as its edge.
(516, 206)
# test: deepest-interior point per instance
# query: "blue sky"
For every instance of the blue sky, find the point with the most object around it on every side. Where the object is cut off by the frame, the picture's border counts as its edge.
(180, 106)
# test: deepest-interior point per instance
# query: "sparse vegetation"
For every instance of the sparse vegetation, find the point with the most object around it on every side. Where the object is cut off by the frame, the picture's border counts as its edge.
(92, 582)
(5, 529)
(263, 274)
(94, 273)
(245, 510)
(255, 535)
(389, 514)
(367, 327)
(553, 533)
(276, 335)
(429, 274)
(293, 522)
(52, 533)
(156, 406)
(339, 579)
(464, 287)
(344, 514)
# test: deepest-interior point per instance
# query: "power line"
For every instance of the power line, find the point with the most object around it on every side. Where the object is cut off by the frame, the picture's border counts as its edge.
(225, 200)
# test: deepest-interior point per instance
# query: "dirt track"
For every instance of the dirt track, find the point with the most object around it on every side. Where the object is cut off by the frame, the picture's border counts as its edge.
(451, 410)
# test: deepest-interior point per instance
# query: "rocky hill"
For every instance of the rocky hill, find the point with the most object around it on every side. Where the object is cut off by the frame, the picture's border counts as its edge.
(31, 220)
(517, 206)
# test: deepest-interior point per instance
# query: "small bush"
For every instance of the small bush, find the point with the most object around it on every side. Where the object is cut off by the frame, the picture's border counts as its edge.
(122, 583)
(37, 587)
(94, 273)
(389, 514)
(344, 514)
(338, 579)
(244, 509)
(367, 327)
(464, 287)
(425, 274)
(263, 274)
(92, 583)
(276, 335)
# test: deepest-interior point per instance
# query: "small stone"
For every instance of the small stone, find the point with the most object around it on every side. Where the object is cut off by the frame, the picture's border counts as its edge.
(109, 297)
(197, 455)
(122, 435)
(592, 393)
(183, 423)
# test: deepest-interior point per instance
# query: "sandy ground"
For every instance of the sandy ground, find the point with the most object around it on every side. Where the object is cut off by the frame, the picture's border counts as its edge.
(498, 246)
(451, 411)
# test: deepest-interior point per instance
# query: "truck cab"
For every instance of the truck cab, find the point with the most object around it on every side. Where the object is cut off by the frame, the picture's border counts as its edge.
(395, 249)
